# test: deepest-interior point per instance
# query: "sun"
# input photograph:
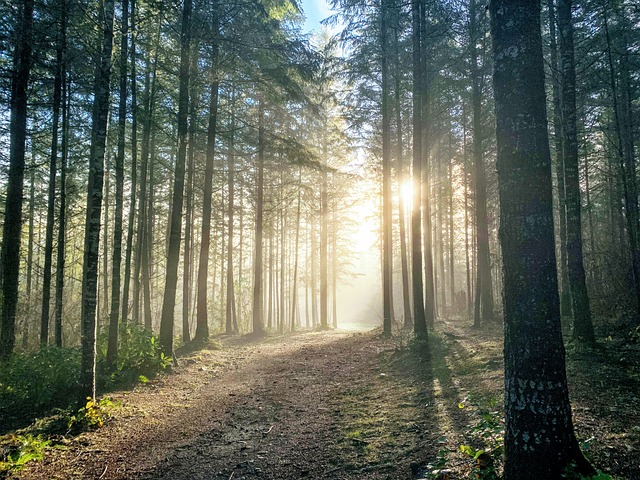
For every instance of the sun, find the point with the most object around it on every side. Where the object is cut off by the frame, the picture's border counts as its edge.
(406, 192)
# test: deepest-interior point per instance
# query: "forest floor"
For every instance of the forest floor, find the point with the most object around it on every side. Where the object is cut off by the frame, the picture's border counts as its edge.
(340, 405)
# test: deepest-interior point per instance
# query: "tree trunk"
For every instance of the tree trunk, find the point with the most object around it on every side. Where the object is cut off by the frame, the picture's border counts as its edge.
(425, 107)
(537, 407)
(419, 318)
(112, 347)
(582, 325)
(62, 215)
(258, 300)
(202, 320)
(134, 168)
(324, 304)
(173, 252)
(565, 293)
(15, 185)
(51, 198)
(484, 286)
(94, 205)
(188, 233)
(30, 245)
(387, 212)
(231, 319)
(625, 153)
(402, 179)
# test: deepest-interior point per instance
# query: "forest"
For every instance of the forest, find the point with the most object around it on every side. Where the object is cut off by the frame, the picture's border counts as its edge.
(334, 239)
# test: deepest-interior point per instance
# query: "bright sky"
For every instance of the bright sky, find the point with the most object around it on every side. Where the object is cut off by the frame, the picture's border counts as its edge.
(315, 11)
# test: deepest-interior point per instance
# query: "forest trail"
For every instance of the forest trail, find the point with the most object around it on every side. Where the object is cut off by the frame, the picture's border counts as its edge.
(313, 405)
(338, 405)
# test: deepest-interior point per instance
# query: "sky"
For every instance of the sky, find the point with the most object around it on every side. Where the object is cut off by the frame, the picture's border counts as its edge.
(315, 11)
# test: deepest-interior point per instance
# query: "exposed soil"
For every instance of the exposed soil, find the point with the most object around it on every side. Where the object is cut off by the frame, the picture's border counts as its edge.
(337, 405)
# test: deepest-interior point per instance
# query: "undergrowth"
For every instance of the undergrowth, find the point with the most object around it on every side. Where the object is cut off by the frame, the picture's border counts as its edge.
(37, 383)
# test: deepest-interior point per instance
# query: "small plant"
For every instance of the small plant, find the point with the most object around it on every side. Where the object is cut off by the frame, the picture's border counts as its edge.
(93, 415)
(21, 449)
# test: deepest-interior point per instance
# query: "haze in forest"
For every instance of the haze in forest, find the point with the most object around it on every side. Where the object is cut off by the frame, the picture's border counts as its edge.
(230, 187)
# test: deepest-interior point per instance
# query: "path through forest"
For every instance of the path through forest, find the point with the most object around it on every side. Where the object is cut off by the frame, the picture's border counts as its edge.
(330, 405)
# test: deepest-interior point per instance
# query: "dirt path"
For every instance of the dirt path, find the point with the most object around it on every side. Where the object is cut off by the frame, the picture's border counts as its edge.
(309, 405)
(340, 405)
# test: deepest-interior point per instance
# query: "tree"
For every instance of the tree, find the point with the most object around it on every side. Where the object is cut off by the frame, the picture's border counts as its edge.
(387, 269)
(202, 326)
(483, 311)
(582, 325)
(13, 209)
(94, 202)
(539, 437)
(112, 347)
(173, 253)
(258, 301)
(419, 317)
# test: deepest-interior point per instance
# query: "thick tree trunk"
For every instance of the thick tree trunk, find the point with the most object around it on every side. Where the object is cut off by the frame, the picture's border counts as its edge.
(173, 252)
(539, 438)
(582, 325)
(15, 185)
(94, 205)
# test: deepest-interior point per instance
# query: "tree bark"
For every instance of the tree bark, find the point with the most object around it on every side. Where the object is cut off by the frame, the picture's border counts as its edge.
(112, 347)
(582, 324)
(258, 300)
(134, 168)
(324, 301)
(173, 252)
(565, 293)
(231, 319)
(202, 320)
(387, 212)
(62, 215)
(419, 319)
(51, 197)
(484, 285)
(94, 204)
(15, 185)
(539, 438)
(188, 223)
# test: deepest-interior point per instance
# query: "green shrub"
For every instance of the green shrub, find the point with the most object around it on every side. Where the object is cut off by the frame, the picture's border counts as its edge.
(32, 384)
(139, 358)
